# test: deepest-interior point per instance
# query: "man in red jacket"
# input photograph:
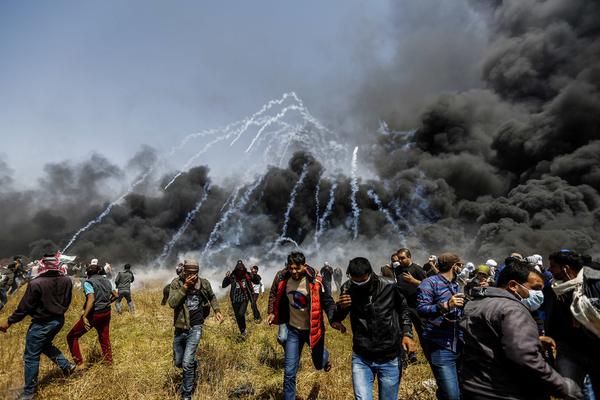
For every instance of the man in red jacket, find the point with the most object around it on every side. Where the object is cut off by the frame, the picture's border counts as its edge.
(299, 303)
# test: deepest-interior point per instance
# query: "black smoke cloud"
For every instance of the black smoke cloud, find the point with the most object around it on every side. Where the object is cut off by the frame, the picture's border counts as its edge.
(503, 161)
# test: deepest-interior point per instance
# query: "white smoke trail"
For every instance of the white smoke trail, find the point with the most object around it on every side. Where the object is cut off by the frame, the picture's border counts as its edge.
(263, 122)
(106, 211)
(322, 224)
(292, 201)
(188, 220)
(209, 132)
(290, 206)
(354, 184)
(317, 205)
(233, 208)
(373, 196)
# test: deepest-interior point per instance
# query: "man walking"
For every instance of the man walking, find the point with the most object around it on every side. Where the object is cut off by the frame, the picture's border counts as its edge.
(240, 294)
(123, 283)
(46, 300)
(381, 328)
(191, 298)
(299, 303)
(99, 294)
(502, 356)
(440, 303)
(257, 289)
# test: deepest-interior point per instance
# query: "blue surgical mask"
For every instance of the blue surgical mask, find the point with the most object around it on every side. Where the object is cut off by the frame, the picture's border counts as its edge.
(535, 299)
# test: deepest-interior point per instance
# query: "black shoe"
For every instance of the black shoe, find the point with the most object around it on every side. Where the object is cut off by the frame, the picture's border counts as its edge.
(68, 371)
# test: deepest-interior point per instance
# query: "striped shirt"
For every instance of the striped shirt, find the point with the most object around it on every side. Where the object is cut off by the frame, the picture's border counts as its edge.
(439, 326)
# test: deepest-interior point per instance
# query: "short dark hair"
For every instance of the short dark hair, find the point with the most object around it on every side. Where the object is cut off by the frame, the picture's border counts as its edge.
(296, 257)
(359, 266)
(127, 266)
(405, 251)
(255, 266)
(517, 271)
(567, 257)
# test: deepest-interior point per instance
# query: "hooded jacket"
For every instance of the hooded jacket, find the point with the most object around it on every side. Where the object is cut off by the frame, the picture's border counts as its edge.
(319, 300)
(379, 317)
(502, 354)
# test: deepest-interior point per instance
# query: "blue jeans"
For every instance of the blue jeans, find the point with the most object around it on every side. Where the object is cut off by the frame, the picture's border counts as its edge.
(127, 295)
(363, 376)
(39, 341)
(185, 344)
(444, 365)
(293, 349)
(282, 334)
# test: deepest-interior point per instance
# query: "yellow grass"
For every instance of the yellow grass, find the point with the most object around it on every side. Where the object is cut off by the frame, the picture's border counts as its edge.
(142, 352)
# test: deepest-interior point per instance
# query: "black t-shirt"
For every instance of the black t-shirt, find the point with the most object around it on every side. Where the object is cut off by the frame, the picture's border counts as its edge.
(193, 301)
(408, 289)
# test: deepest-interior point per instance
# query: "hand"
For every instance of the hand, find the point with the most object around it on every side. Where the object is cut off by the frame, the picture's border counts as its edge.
(190, 281)
(345, 301)
(338, 326)
(548, 344)
(408, 344)
(227, 274)
(484, 283)
(86, 323)
(456, 301)
(410, 279)
(219, 317)
(4, 326)
(270, 319)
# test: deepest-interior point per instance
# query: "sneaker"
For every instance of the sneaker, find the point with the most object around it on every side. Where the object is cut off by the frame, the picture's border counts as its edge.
(327, 366)
(70, 369)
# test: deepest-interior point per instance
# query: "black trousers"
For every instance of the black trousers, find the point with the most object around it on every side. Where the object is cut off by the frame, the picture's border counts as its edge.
(239, 309)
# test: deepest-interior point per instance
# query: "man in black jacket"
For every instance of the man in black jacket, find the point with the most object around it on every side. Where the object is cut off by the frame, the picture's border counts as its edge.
(381, 328)
(123, 283)
(46, 300)
(502, 354)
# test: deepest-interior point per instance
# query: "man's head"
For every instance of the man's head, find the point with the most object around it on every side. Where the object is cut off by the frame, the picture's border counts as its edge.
(404, 257)
(93, 269)
(296, 264)
(190, 267)
(359, 270)
(519, 278)
(482, 273)
(254, 269)
(450, 261)
(127, 267)
(94, 261)
(565, 264)
(432, 259)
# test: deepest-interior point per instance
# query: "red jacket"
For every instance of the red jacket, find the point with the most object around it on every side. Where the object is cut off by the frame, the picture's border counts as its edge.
(319, 299)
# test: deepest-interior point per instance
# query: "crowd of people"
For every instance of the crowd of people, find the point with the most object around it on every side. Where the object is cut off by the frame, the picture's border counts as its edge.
(518, 329)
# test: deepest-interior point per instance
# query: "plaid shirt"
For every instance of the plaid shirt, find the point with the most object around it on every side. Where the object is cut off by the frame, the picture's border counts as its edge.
(439, 326)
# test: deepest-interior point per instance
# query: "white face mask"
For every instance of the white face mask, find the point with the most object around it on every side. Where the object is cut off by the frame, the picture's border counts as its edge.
(361, 283)
(395, 264)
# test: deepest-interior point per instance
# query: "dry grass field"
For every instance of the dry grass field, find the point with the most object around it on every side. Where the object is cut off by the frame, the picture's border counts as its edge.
(142, 368)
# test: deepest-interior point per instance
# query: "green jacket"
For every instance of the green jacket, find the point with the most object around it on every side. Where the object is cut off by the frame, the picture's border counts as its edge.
(177, 295)
(8, 277)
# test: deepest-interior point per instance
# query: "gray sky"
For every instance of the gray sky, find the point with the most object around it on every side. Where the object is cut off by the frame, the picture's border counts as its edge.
(109, 76)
